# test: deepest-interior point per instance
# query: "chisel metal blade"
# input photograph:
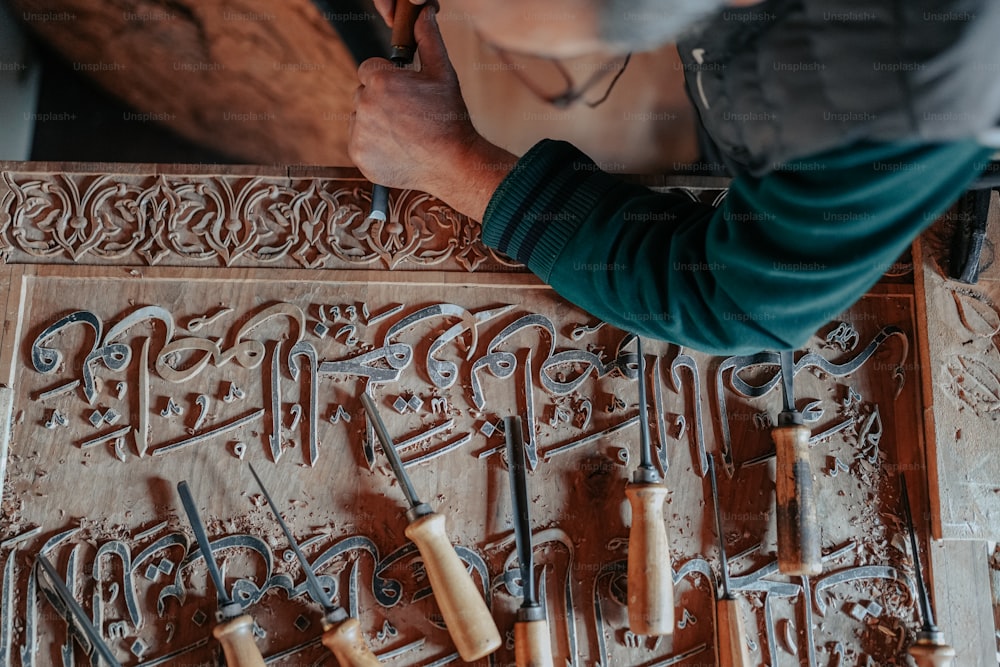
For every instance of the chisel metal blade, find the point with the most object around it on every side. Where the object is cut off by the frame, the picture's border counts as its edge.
(727, 591)
(417, 508)
(333, 612)
(227, 606)
(62, 600)
(519, 504)
(646, 473)
(926, 613)
(788, 415)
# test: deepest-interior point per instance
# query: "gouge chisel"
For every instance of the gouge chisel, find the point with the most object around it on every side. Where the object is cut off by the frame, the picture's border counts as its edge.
(404, 46)
(929, 649)
(650, 575)
(799, 550)
(235, 632)
(341, 633)
(465, 613)
(730, 634)
(532, 644)
(62, 600)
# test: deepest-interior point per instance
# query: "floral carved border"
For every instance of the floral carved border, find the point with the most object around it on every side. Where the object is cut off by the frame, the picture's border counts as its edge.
(234, 221)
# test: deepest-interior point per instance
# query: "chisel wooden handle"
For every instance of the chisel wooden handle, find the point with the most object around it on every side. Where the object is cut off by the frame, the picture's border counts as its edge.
(732, 647)
(650, 577)
(348, 645)
(403, 47)
(798, 531)
(928, 653)
(532, 644)
(403, 43)
(238, 643)
(469, 621)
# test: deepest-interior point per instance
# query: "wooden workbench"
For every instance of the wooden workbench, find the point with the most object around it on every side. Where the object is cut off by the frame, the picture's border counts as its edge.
(165, 324)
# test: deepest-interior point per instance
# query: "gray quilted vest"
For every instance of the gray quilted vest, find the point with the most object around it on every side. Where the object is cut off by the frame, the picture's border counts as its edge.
(786, 79)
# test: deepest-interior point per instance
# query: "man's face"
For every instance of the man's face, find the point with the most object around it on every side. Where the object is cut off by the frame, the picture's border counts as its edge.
(556, 28)
(568, 28)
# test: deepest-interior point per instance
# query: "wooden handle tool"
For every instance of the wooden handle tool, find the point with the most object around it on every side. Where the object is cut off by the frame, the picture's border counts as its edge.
(532, 643)
(929, 650)
(650, 575)
(348, 645)
(235, 633)
(342, 634)
(238, 642)
(469, 621)
(404, 20)
(404, 47)
(799, 551)
(465, 613)
(731, 644)
(730, 634)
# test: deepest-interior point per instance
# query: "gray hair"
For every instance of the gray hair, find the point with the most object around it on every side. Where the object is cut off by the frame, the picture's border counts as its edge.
(640, 25)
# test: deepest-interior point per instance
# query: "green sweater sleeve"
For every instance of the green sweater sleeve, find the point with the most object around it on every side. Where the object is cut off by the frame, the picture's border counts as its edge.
(782, 255)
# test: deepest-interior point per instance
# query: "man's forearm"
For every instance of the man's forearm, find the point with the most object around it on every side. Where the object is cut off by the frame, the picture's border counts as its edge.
(467, 182)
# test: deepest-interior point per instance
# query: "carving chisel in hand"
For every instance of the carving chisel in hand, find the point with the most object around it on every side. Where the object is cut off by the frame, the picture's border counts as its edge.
(342, 634)
(532, 645)
(62, 600)
(650, 575)
(465, 613)
(235, 632)
(798, 531)
(929, 649)
(732, 645)
(404, 46)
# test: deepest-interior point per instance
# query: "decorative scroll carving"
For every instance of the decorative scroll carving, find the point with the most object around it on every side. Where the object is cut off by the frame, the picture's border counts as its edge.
(269, 221)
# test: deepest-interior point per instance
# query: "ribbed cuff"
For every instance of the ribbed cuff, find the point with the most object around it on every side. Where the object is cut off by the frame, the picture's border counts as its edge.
(542, 203)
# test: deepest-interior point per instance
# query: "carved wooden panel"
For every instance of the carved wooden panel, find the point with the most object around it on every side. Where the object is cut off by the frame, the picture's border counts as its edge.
(963, 332)
(310, 218)
(129, 380)
(164, 324)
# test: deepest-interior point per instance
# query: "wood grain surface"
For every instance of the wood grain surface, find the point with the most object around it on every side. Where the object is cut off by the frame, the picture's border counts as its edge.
(130, 378)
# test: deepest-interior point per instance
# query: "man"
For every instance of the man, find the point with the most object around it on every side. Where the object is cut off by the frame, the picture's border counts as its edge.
(848, 127)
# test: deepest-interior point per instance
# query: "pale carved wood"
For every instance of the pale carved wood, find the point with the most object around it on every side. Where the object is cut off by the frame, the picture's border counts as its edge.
(963, 385)
(197, 347)
(260, 217)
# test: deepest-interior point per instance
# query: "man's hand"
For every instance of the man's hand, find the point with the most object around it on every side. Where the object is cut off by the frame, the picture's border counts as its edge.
(387, 8)
(411, 129)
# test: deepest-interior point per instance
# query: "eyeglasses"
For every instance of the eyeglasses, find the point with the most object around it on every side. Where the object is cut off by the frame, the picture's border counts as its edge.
(572, 93)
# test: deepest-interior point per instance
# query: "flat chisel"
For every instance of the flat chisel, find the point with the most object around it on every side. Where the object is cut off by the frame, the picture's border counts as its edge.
(799, 550)
(465, 613)
(730, 634)
(59, 595)
(532, 643)
(235, 632)
(650, 575)
(929, 650)
(341, 633)
(404, 46)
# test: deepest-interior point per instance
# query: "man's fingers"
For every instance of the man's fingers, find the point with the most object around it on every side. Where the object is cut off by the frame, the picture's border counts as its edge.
(386, 9)
(370, 69)
(430, 45)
